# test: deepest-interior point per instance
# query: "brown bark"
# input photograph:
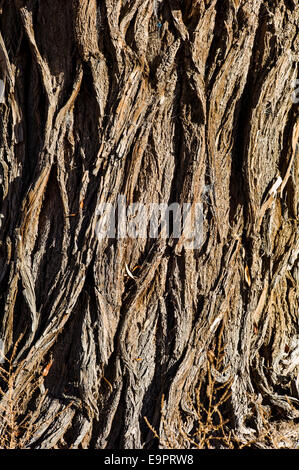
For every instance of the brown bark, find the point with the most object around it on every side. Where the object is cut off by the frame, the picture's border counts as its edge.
(162, 101)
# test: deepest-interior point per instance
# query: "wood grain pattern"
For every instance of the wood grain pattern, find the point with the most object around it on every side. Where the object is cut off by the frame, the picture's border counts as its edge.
(161, 102)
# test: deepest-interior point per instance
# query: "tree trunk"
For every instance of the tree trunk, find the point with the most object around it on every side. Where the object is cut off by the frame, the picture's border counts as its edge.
(115, 341)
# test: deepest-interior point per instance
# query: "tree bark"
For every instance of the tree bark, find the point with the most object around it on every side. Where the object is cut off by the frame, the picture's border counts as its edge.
(162, 102)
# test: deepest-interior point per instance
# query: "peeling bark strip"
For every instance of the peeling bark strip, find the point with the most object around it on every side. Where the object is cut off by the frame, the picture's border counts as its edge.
(128, 339)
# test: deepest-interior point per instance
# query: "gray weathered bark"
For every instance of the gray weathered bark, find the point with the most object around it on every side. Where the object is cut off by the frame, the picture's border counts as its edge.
(161, 101)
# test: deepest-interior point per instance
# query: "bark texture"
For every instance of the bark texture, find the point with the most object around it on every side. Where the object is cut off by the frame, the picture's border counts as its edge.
(162, 101)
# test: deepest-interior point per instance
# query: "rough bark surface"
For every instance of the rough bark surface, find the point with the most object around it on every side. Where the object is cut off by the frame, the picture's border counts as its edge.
(161, 101)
